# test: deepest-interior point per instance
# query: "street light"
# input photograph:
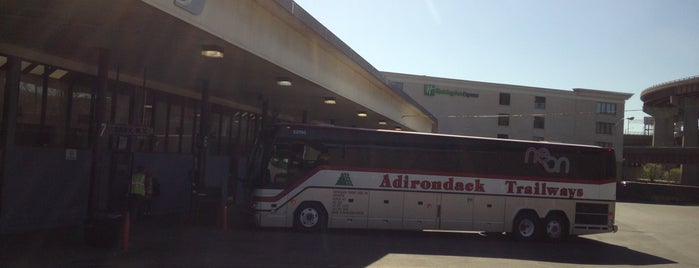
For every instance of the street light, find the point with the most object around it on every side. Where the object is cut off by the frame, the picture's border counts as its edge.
(629, 123)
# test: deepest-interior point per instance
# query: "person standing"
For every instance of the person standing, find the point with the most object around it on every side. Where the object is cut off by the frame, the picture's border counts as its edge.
(137, 192)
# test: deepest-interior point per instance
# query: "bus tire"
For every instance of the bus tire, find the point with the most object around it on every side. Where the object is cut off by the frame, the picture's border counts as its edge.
(310, 217)
(555, 227)
(526, 226)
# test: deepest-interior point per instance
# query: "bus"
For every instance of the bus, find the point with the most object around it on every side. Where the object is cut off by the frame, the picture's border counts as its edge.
(314, 177)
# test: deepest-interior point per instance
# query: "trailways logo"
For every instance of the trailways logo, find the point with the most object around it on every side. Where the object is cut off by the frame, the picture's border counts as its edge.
(404, 182)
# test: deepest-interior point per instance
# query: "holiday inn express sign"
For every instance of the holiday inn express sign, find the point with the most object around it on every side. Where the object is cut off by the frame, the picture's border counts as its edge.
(431, 90)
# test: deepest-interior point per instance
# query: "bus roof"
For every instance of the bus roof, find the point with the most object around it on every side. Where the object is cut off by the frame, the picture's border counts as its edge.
(329, 133)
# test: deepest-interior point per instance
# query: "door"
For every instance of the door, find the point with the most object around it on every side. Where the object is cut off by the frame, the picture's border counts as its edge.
(489, 213)
(456, 212)
(385, 210)
(420, 211)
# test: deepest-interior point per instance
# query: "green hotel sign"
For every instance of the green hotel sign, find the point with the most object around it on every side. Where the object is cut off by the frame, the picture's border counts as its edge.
(431, 90)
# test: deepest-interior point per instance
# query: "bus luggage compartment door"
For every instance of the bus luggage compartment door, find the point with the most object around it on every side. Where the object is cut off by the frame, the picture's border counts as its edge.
(385, 210)
(489, 213)
(420, 211)
(456, 212)
(349, 209)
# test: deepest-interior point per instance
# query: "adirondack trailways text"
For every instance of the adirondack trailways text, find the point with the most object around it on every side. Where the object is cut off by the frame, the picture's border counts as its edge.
(477, 186)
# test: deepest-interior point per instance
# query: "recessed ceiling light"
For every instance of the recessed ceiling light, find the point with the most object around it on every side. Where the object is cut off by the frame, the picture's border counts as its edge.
(285, 82)
(329, 101)
(58, 74)
(362, 114)
(382, 122)
(398, 129)
(38, 70)
(212, 51)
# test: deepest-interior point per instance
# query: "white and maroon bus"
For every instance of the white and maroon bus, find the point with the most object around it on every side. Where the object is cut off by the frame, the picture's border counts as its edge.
(315, 177)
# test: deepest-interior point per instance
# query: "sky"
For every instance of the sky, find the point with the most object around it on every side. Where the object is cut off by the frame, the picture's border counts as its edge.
(613, 45)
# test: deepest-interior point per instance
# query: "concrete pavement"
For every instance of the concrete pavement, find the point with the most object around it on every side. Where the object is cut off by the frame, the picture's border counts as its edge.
(659, 235)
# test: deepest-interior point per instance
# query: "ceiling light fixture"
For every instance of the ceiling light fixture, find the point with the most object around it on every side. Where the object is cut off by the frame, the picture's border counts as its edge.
(362, 114)
(329, 101)
(212, 51)
(283, 81)
(398, 129)
(382, 122)
(58, 73)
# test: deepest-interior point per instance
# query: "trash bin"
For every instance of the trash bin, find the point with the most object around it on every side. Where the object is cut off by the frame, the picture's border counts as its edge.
(103, 230)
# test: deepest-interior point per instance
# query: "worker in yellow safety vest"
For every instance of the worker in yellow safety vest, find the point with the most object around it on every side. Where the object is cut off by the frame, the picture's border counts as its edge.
(137, 192)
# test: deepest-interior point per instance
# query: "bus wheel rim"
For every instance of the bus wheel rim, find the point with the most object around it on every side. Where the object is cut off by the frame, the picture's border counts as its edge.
(309, 217)
(526, 227)
(553, 229)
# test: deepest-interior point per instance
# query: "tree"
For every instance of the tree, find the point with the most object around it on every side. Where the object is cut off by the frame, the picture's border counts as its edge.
(652, 172)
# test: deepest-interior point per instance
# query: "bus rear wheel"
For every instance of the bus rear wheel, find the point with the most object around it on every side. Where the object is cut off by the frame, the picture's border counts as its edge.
(556, 228)
(310, 217)
(526, 227)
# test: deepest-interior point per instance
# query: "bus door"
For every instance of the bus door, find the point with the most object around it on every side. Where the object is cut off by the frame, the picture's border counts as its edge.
(456, 212)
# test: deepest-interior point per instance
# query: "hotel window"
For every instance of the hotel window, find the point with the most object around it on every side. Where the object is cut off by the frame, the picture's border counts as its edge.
(503, 136)
(503, 119)
(539, 122)
(606, 108)
(504, 98)
(604, 128)
(540, 102)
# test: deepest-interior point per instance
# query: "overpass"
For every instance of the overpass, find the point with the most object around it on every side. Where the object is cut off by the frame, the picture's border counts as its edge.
(661, 155)
(675, 103)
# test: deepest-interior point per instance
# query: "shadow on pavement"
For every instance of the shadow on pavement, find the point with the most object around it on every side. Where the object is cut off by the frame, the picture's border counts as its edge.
(172, 242)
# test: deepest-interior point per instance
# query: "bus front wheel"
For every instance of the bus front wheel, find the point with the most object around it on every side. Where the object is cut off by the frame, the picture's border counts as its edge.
(526, 227)
(310, 217)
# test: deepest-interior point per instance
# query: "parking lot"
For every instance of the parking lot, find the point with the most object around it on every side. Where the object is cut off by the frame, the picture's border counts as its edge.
(659, 235)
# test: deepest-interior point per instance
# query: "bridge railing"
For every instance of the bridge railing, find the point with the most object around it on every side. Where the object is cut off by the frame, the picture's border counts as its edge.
(672, 82)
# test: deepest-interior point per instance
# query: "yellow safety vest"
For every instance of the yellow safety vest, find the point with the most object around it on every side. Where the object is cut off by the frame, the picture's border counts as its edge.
(138, 184)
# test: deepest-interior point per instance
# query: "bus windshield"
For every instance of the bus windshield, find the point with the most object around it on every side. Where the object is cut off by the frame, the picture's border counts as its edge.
(289, 161)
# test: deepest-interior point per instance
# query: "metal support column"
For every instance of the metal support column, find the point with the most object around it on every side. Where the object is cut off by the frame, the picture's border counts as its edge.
(9, 116)
(97, 129)
(203, 135)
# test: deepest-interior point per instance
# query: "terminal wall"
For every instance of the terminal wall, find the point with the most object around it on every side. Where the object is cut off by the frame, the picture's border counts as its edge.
(42, 189)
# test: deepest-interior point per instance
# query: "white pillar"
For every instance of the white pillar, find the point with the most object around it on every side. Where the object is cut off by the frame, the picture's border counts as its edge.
(690, 109)
(663, 130)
